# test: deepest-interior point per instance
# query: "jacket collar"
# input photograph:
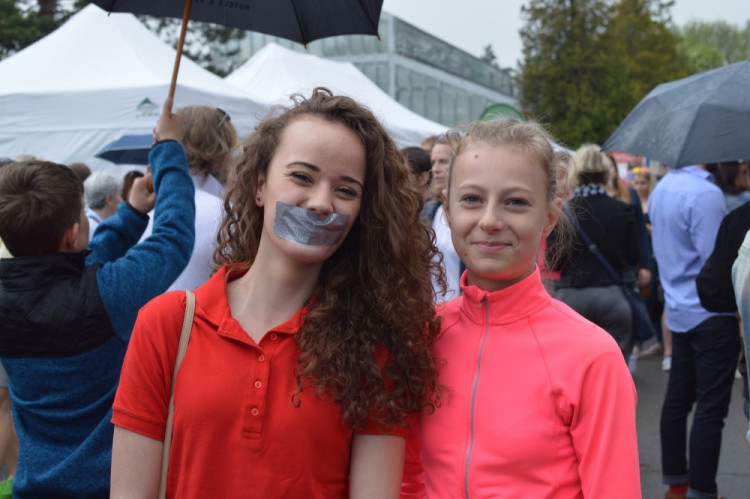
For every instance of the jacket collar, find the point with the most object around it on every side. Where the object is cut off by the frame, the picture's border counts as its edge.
(508, 305)
(32, 272)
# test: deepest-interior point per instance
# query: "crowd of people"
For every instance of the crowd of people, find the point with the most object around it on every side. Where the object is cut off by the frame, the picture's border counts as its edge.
(445, 320)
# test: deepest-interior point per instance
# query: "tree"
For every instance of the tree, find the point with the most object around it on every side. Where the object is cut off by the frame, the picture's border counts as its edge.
(641, 37)
(22, 22)
(489, 56)
(568, 72)
(708, 45)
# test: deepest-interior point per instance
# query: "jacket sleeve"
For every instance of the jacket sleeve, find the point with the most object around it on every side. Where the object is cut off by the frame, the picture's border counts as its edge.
(148, 268)
(116, 235)
(603, 430)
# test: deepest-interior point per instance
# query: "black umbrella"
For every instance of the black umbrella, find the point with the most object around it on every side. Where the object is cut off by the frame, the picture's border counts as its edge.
(128, 150)
(298, 20)
(696, 120)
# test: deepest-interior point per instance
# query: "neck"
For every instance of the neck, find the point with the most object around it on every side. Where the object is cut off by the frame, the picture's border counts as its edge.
(270, 292)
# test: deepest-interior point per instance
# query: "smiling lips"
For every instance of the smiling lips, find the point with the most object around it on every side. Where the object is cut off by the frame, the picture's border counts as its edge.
(491, 246)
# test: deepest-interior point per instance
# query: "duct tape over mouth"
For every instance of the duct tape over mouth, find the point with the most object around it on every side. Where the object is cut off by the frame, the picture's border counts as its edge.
(301, 226)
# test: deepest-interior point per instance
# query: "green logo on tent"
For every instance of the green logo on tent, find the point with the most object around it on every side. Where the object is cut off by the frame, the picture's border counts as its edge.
(147, 108)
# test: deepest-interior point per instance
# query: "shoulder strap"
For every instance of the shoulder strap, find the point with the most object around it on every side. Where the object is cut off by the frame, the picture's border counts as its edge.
(592, 246)
(187, 326)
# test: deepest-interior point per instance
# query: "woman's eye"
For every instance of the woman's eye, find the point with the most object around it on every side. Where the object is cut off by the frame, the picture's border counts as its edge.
(518, 202)
(347, 192)
(470, 198)
(301, 177)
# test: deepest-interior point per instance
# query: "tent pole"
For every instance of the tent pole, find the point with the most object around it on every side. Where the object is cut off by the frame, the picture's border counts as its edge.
(180, 44)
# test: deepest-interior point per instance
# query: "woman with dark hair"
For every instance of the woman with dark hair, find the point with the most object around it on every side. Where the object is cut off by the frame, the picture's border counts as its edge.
(732, 179)
(310, 352)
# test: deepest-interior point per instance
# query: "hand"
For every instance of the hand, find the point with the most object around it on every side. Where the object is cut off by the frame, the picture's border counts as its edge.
(140, 197)
(644, 277)
(169, 126)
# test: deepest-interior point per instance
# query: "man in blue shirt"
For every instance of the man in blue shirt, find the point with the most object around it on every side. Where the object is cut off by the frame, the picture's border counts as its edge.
(686, 209)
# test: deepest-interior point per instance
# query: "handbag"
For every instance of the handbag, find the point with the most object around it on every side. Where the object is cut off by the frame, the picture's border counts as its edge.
(187, 326)
(642, 327)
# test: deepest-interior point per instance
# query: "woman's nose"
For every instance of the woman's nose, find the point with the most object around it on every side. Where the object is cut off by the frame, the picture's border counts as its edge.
(320, 201)
(491, 220)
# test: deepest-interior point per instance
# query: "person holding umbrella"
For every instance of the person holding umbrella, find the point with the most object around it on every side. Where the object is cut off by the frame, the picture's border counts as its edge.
(310, 351)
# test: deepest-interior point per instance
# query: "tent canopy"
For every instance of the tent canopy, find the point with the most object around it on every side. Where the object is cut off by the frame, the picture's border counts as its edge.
(275, 72)
(96, 78)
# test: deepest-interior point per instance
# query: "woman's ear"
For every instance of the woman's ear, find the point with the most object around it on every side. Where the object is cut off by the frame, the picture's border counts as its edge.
(260, 190)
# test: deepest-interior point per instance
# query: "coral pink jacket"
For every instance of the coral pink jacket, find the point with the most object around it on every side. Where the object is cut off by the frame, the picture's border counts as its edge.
(539, 402)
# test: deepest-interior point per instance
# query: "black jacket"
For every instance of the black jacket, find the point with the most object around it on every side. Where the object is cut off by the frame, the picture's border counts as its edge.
(611, 226)
(714, 282)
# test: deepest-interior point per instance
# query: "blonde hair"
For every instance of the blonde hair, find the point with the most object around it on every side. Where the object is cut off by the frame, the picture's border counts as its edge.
(536, 145)
(588, 166)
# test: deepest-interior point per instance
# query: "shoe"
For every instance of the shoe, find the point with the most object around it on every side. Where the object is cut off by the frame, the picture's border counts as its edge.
(666, 363)
(632, 363)
(673, 495)
(652, 350)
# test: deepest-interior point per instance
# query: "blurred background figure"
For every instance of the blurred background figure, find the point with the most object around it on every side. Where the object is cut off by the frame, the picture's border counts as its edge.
(209, 141)
(433, 214)
(732, 179)
(584, 284)
(82, 170)
(102, 193)
(127, 182)
(643, 181)
(419, 169)
(428, 143)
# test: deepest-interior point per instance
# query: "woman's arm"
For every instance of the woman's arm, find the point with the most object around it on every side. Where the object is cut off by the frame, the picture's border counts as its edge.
(136, 462)
(377, 464)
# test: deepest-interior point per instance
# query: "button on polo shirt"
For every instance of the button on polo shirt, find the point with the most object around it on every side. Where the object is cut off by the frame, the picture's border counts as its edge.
(240, 424)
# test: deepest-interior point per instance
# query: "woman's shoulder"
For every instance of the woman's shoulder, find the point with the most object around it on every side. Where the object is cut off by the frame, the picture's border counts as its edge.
(164, 306)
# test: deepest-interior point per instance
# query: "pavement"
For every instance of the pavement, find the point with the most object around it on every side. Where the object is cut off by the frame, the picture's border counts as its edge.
(734, 463)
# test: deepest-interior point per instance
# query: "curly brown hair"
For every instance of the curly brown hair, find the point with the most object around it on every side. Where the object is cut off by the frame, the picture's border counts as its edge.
(374, 294)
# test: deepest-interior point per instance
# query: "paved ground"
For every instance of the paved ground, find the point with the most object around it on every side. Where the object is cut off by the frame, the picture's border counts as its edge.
(734, 465)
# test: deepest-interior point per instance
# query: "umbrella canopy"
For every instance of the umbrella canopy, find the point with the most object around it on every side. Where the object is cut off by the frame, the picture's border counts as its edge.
(128, 150)
(298, 20)
(696, 120)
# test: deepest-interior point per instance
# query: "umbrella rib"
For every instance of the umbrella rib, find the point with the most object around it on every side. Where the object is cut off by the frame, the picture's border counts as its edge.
(373, 22)
(299, 24)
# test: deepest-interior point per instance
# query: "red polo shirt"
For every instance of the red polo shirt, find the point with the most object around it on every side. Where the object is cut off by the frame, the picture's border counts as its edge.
(236, 430)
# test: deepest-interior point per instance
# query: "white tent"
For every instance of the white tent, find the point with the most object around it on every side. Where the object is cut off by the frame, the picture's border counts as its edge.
(96, 78)
(275, 72)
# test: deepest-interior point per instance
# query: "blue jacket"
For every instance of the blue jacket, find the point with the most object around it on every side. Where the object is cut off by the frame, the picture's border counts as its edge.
(67, 319)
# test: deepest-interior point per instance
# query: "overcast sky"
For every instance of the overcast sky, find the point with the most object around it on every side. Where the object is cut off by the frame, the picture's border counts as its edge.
(472, 24)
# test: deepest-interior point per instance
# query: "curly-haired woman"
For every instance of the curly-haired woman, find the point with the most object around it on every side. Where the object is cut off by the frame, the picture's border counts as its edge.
(311, 345)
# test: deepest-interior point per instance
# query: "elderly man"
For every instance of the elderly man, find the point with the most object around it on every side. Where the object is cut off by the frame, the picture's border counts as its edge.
(102, 193)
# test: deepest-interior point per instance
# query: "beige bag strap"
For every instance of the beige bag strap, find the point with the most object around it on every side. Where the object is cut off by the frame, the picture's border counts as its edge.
(187, 325)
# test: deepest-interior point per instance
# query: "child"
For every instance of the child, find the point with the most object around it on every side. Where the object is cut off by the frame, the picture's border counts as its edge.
(310, 349)
(67, 313)
(538, 401)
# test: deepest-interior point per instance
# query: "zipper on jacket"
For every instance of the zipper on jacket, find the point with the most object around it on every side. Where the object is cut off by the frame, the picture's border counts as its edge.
(486, 304)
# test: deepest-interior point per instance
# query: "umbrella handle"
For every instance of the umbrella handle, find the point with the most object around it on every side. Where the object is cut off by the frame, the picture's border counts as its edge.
(150, 181)
(180, 44)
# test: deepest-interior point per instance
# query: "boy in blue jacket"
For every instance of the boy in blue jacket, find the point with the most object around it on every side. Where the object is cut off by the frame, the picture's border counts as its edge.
(67, 313)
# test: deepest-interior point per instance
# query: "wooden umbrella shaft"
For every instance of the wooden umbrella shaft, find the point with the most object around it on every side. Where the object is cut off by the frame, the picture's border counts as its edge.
(180, 44)
(175, 70)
